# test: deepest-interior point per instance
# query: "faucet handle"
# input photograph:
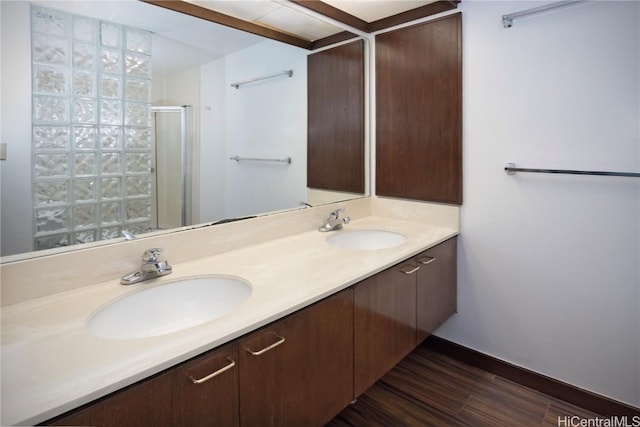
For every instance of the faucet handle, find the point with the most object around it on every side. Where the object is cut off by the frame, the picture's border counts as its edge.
(151, 255)
(336, 214)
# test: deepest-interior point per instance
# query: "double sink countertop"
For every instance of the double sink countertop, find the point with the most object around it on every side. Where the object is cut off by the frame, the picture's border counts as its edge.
(51, 363)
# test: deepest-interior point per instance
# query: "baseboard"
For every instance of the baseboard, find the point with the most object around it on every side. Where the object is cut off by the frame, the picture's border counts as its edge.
(547, 385)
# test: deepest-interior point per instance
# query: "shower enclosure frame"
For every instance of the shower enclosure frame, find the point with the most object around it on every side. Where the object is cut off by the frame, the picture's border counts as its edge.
(186, 142)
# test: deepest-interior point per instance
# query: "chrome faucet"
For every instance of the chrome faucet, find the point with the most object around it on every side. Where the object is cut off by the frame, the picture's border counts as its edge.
(152, 266)
(334, 222)
(128, 235)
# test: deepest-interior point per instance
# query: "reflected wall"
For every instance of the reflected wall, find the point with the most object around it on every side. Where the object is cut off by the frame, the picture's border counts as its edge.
(266, 119)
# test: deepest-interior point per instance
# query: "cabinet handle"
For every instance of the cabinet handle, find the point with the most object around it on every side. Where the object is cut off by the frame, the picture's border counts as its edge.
(409, 269)
(426, 260)
(231, 364)
(272, 346)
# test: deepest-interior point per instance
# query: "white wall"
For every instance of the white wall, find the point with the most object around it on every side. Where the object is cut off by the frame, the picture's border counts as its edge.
(549, 272)
(16, 224)
(266, 119)
(213, 114)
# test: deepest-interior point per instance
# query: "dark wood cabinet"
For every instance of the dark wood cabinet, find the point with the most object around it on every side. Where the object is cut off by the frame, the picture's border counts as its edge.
(299, 371)
(147, 403)
(205, 390)
(436, 287)
(296, 371)
(144, 403)
(419, 111)
(384, 323)
(397, 309)
(201, 392)
(79, 417)
(335, 110)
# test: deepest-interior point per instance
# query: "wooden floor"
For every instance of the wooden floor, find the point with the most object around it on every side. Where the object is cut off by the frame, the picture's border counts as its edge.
(430, 389)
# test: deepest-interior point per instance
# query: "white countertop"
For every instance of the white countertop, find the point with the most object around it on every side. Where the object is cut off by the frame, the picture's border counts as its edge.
(51, 363)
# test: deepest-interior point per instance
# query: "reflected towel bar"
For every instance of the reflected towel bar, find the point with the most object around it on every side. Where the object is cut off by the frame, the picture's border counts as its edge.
(256, 159)
(257, 79)
(507, 20)
(511, 169)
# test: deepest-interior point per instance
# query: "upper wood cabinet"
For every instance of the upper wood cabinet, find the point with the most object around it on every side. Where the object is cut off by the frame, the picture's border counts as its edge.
(419, 111)
(335, 129)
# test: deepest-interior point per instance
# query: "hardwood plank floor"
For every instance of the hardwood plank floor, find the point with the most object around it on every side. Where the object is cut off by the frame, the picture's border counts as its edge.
(430, 389)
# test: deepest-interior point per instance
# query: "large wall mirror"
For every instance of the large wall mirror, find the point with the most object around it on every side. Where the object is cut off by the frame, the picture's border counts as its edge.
(228, 128)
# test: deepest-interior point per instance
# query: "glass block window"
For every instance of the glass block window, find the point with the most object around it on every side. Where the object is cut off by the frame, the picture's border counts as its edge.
(91, 88)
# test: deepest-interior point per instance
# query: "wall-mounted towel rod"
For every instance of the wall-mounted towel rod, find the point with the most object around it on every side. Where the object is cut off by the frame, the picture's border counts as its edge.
(507, 20)
(257, 159)
(257, 79)
(511, 169)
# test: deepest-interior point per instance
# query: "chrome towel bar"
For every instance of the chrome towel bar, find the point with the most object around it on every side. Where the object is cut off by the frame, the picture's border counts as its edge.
(511, 169)
(257, 159)
(507, 20)
(257, 79)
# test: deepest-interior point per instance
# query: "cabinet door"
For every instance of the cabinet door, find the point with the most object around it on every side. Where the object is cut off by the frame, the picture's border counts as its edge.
(206, 390)
(299, 371)
(419, 111)
(143, 404)
(437, 287)
(146, 403)
(384, 323)
(77, 417)
(335, 128)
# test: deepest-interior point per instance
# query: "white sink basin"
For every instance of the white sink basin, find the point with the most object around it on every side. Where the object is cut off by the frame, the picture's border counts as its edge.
(366, 239)
(172, 307)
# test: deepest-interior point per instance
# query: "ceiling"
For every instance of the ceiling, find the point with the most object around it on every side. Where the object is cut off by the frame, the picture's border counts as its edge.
(275, 15)
(374, 10)
(297, 18)
(309, 23)
(181, 42)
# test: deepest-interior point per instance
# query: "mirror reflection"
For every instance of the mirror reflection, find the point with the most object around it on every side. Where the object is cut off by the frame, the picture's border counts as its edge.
(198, 122)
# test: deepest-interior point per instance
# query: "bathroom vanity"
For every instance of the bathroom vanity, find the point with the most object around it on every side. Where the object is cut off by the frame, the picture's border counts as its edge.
(321, 325)
(328, 354)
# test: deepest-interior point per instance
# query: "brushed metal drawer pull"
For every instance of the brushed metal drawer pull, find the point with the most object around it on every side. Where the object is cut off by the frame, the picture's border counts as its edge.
(411, 267)
(272, 346)
(214, 374)
(426, 260)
